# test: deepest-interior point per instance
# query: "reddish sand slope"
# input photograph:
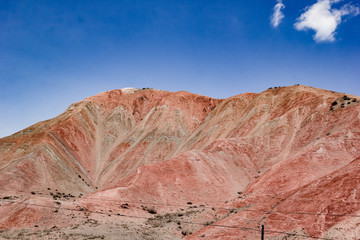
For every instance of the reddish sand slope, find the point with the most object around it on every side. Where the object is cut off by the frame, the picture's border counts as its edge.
(150, 164)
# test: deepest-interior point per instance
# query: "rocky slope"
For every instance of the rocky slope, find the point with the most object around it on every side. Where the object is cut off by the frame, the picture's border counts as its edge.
(150, 164)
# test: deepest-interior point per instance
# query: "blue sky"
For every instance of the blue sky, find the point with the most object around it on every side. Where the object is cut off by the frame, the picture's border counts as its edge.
(54, 53)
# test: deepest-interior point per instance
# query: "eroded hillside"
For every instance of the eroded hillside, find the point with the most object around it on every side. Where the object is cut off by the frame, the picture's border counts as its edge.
(150, 164)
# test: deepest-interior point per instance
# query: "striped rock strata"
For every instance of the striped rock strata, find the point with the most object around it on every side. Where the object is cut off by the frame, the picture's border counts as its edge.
(140, 164)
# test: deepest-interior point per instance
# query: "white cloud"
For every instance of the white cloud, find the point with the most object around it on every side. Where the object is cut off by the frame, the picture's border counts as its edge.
(324, 20)
(277, 15)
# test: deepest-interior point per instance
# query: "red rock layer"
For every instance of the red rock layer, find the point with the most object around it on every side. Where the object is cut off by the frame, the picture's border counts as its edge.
(286, 158)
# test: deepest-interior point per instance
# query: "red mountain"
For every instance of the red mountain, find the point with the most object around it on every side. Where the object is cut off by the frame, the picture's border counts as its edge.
(150, 164)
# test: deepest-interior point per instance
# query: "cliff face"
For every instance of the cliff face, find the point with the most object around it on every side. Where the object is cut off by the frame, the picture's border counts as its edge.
(286, 158)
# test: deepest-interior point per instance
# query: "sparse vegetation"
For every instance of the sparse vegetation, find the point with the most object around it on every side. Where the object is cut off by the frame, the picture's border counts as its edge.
(173, 220)
(185, 233)
(208, 223)
(59, 195)
(125, 205)
(233, 210)
(346, 98)
(151, 210)
(342, 102)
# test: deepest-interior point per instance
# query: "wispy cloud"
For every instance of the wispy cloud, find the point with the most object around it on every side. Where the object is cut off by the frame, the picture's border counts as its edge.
(277, 15)
(324, 20)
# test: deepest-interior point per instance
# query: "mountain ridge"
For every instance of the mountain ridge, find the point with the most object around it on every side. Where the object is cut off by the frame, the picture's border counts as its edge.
(173, 148)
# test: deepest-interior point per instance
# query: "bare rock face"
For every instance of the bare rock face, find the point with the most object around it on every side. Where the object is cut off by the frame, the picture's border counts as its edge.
(150, 164)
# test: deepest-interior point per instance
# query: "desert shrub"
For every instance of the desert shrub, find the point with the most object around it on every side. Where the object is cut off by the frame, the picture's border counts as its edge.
(151, 210)
(208, 223)
(185, 233)
(233, 210)
(125, 205)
